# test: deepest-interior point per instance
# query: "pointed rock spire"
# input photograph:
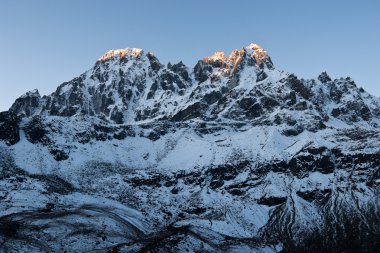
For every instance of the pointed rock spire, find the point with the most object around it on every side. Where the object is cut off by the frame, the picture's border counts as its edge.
(324, 77)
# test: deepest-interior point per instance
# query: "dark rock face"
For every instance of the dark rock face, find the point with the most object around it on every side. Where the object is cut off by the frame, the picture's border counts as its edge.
(272, 201)
(365, 113)
(117, 116)
(301, 165)
(335, 112)
(35, 132)
(268, 62)
(153, 89)
(9, 228)
(192, 111)
(28, 104)
(55, 184)
(269, 103)
(9, 128)
(212, 97)
(299, 87)
(301, 106)
(316, 195)
(324, 77)
(181, 70)
(103, 133)
(292, 131)
(252, 108)
(292, 98)
(223, 173)
(154, 62)
(59, 155)
(261, 76)
(202, 71)
(61, 105)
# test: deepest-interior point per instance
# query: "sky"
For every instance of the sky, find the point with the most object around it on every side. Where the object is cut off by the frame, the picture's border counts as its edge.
(44, 43)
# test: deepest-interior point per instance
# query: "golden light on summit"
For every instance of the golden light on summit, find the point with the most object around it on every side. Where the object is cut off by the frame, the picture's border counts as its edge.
(121, 53)
(217, 56)
(258, 52)
(231, 63)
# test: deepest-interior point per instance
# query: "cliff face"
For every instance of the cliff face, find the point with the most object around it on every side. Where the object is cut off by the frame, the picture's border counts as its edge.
(231, 155)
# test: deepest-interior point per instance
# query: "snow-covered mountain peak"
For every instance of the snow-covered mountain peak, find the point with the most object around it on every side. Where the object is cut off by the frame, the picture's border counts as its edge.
(34, 92)
(121, 53)
(252, 51)
(217, 56)
(257, 52)
(252, 55)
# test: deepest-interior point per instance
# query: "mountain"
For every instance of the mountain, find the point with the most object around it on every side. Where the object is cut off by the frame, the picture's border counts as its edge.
(232, 155)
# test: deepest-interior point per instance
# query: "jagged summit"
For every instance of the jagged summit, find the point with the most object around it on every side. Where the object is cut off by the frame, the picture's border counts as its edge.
(121, 53)
(243, 86)
(256, 51)
(252, 51)
(324, 77)
(33, 92)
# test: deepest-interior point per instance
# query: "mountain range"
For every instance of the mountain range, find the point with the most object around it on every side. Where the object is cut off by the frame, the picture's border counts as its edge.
(232, 155)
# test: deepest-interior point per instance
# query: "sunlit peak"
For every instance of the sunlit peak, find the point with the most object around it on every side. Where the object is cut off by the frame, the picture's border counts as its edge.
(257, 52)
(121, 53)
(217, 56)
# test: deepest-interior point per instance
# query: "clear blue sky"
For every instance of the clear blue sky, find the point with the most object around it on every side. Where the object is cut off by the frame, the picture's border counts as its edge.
(44, 43)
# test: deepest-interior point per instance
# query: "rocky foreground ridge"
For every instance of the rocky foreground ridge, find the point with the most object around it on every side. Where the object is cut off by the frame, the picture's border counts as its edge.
(232, 155)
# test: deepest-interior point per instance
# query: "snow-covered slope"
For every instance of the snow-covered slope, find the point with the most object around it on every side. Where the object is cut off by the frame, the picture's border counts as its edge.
(231, 155)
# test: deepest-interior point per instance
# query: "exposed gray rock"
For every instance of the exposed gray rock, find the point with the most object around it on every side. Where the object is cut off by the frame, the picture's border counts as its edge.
(324, 77)
(28, 104)
(9, 128)
(202, 71)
